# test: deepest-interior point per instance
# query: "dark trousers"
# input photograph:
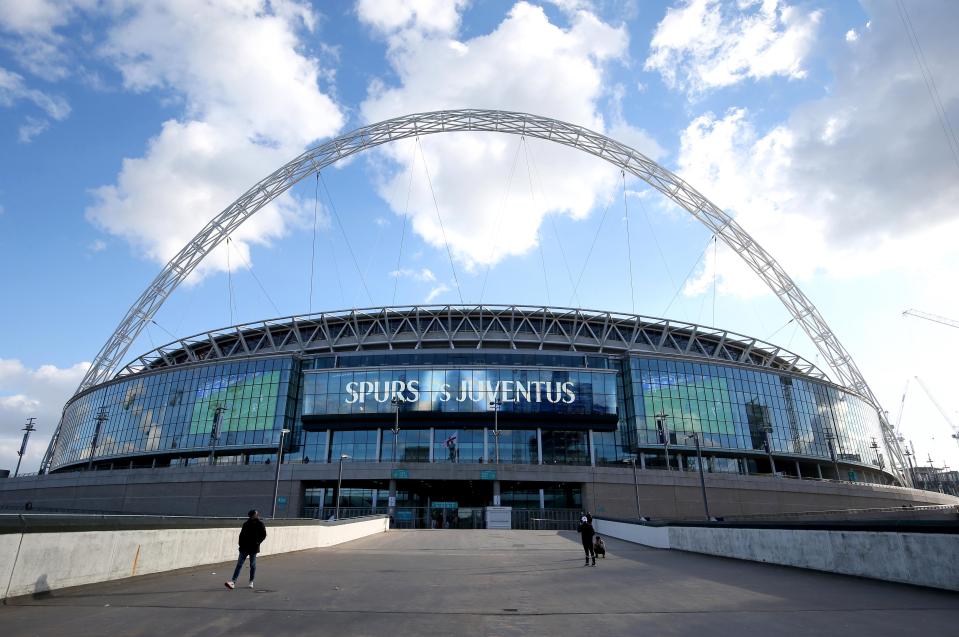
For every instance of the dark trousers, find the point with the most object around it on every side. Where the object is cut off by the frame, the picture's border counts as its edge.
(239, 565)
(588, 546)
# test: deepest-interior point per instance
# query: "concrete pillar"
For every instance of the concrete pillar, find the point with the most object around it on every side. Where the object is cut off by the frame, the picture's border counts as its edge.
(379, 443)
(485, 445)
(542, 499)
(539, 445)
(431, 444)
(391, 503)
(496, 493)
(819, 470)
(642, 460)
(326, 445)
(592, 450)
(679, 461)
(798, 470)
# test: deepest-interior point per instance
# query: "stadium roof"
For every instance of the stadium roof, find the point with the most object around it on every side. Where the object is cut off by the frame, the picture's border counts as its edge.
(515, 327)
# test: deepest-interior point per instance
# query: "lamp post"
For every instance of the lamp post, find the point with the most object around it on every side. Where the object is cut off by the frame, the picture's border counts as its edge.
(632, 460)
(768, 443)
(831, 439)
(396, 424)
(702, 475)
(279, 461)
(339, 485)
(663, 430)
(912, 472)
(875, 447)
(100, 419)
(215, 431)
(27, 429)
(496, 404)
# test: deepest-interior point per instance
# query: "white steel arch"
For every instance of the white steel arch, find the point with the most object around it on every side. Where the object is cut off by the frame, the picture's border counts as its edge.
(407, 126)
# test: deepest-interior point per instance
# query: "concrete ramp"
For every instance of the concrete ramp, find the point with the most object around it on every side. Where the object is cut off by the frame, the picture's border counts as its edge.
(488, 583)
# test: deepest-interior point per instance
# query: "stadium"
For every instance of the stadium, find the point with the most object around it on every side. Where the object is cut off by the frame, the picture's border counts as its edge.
(434, 413)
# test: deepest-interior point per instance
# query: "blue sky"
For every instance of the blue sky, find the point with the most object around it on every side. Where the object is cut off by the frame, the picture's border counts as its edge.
(125, 126)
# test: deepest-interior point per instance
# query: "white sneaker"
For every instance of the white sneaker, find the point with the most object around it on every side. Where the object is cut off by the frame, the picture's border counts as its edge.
(229, 585)
(251, 585)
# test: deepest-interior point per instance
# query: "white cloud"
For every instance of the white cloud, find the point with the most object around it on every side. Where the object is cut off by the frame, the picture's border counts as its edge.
(30, 128)
(435, 292)
(424, 275)
(31, 30)
(252, 101)
(851, 35)
(705, 44)
(854, 183)
(525, 64)
(13, 88)
(572, 6)
(39, 393)
(858, 186)
(392, 17)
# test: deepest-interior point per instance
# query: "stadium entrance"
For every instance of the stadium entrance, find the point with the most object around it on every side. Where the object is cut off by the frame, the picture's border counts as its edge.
(446, 504)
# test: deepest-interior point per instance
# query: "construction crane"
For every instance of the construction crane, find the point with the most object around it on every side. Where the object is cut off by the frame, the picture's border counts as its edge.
(902, 408)
(935, 318)
(955, 429)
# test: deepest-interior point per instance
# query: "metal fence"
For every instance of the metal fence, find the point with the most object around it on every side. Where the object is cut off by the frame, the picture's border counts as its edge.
(409, 517)
(462, 518)
(328, 513)
(546, 519)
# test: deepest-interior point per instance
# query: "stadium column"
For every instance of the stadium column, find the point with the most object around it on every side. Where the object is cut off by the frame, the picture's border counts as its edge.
(539, 445)
(392, 500)
(379, 443)
(642, 461)
(592, 450)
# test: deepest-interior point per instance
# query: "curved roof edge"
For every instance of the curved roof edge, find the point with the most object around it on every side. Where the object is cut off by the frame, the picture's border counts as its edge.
(517, 327)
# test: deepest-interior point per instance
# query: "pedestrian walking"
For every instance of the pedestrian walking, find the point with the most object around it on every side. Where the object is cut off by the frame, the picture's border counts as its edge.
(587, 532)
(252, 535)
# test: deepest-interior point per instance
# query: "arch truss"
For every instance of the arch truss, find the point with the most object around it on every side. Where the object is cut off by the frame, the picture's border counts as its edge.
(478, 120)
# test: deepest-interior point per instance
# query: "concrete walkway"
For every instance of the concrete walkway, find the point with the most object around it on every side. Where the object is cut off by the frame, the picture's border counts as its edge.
(455, 583)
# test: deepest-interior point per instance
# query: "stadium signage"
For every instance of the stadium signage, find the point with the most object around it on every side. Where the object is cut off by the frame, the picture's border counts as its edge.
(506, 391)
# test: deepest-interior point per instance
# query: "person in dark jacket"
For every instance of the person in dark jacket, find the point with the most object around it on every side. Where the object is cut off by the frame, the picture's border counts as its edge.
(587, 532)
(252, 535)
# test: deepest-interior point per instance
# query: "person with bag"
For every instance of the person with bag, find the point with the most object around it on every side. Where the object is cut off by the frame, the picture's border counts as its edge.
(587, 532)
(252, 535)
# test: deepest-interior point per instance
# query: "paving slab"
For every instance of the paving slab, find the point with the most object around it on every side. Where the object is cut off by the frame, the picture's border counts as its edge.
(447, 582)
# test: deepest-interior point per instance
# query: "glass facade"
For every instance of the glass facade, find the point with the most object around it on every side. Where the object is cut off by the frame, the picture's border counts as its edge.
(735, 408)
(555, 408)
(242, 404)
